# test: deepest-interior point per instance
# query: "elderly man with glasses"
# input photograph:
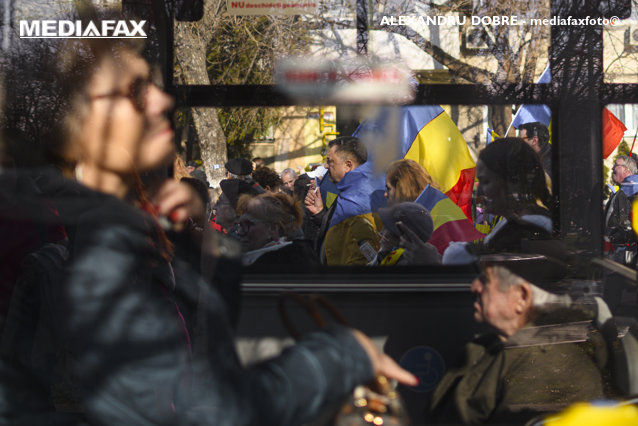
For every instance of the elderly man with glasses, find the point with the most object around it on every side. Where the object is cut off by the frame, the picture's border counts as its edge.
(618, 209)
(537, 354)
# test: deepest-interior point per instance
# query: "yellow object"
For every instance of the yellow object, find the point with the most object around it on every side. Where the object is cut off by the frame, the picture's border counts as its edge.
(440, 148)
(322, 128)
(330, 198)
(583, 414)
(393, 257)
(634, 216)
(342, 240)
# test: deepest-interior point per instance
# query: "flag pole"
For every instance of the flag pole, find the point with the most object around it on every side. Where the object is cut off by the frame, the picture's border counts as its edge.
(512, 122)
(510, 126)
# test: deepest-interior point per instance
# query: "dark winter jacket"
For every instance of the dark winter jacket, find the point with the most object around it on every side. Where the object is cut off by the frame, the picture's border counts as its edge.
(536, 370)
(112, 314)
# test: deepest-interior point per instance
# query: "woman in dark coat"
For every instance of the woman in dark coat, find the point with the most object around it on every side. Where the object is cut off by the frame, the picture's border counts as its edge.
(270, 233)
(114, 312)
(511, 185)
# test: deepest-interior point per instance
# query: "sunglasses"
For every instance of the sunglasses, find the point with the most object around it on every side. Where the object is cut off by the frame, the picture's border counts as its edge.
(136, 93)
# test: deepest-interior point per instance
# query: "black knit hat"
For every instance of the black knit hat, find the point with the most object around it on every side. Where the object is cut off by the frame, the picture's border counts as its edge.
(233, 188)
(239, 166)
(413, 215)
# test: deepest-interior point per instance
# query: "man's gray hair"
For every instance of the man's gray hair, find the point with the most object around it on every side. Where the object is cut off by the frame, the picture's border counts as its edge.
(629, 162)
(289, 170)
(541, 299)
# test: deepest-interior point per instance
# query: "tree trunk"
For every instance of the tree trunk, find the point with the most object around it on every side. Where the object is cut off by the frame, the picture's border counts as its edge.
(191, 41)
(500, 119)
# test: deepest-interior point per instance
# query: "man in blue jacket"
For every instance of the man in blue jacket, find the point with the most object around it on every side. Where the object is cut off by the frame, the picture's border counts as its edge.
(618, 209)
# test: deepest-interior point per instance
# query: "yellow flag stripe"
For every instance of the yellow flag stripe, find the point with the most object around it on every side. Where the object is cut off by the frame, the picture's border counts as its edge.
(441, 149)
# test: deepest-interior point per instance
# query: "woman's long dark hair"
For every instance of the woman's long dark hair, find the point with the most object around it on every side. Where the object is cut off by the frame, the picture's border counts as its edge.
(521, 170)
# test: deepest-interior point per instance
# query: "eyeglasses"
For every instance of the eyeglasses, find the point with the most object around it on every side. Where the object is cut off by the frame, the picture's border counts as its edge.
(616, 166)
(136, 93)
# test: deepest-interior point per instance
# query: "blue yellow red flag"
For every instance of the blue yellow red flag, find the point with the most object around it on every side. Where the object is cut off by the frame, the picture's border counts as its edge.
(427, 135)
(612, 132)
(431, 138)
(328, 190)
(450, 223)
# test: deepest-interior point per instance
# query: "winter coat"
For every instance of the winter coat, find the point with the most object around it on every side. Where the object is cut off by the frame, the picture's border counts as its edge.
(112, 312)
(536, 370)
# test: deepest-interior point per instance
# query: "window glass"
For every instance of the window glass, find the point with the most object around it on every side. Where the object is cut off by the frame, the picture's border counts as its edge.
(619, 174)
(445, 141)
(242, 49)
(457, 42)
(448, 42)
(620, 49)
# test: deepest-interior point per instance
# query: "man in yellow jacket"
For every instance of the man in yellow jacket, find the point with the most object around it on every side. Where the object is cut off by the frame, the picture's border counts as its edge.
(349, 222)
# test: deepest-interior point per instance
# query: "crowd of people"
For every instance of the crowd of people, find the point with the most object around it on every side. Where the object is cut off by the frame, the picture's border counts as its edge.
(122, 285)
(343, 218)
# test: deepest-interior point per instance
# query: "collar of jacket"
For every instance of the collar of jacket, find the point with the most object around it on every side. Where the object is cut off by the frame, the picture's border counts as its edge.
(630, 185)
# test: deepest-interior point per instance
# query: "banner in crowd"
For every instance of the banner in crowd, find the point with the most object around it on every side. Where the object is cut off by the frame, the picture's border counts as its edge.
(450, 224)
(427, 135)
(431, 138)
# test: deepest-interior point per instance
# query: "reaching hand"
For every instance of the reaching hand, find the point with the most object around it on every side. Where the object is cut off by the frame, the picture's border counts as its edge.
(382, 364)
(179, 202)
(313, 200)
(416, 251)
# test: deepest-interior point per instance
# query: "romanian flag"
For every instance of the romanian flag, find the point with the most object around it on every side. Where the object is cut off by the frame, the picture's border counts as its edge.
(427, 135)
(613, 128)
(430, 137)
(328, 190)
(450, 223)
(528, 113)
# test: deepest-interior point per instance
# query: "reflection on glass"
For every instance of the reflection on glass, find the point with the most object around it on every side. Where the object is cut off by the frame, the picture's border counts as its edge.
(620, 181)
(453, 42)
(354, 178)
(620, 50)
(450, 43)
(222, 49)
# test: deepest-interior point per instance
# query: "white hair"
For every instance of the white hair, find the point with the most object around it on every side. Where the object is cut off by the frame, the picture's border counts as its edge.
(289, 170)
(541, 299)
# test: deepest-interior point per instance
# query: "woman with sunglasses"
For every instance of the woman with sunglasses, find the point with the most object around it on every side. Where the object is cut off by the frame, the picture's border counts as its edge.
(115, 315)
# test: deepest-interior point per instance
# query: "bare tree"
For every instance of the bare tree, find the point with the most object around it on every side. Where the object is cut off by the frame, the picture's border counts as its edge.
(191, 44)
(509, 53)
(222, 49)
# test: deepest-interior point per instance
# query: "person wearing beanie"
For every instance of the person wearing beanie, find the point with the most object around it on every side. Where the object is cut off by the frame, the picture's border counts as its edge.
(414, 219)
(239, 168)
